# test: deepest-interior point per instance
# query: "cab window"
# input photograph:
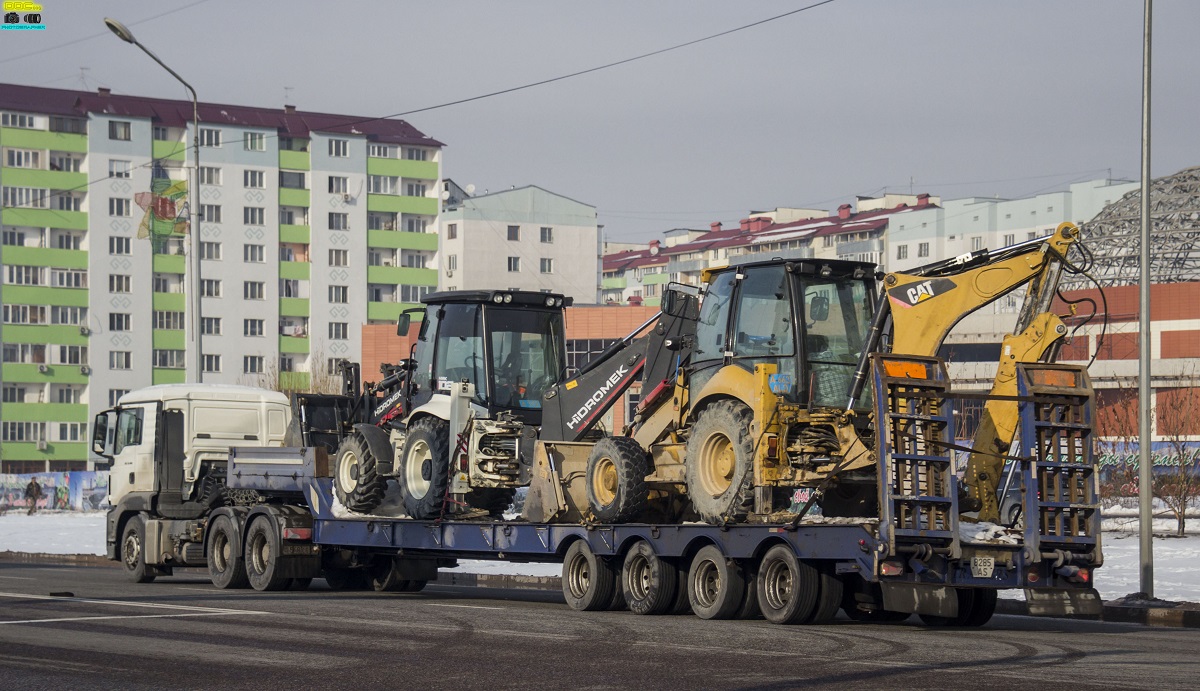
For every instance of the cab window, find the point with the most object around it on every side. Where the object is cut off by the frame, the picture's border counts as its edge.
(714, 316)
(129, 429)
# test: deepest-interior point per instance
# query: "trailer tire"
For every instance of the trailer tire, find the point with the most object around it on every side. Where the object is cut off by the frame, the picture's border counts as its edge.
(425, 468)
(715, 585)
(719, 470)
(616, 480)
(415, 586)
(588, 581)
(385, 577)
(983, 607)
(829, 598)
(648, 581)
(787, 587)
(226, 563)
(356, 479)
(263, 556)
(133, 551)
(749, 608)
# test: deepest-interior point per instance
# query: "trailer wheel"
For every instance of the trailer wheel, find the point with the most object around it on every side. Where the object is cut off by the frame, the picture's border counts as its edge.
(749, 608)
(863, 602)
(356, 479)
(425, 471)
(133, 551)
(716, 585)
(829, 598)
(226, 565)
(970, 609)
(616, 480)
(415, 586)
(719, 470)
(588, 581)
(262, 557)
(648, 581)
(384, 577)
(787, 587)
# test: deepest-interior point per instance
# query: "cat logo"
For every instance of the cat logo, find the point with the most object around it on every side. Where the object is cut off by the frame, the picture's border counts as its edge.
(913, 294)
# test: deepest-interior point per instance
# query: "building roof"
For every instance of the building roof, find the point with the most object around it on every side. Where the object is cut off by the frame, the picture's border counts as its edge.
(176, 113)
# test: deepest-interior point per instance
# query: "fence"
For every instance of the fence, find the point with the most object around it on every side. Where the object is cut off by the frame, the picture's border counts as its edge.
(73, 491)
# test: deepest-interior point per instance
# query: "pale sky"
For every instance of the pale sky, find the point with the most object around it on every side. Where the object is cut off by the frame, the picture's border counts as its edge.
(962, 98)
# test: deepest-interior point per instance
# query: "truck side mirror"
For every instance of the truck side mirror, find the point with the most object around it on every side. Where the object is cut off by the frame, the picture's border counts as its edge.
(818, 309)
(402, 323)
(681, 301)
(102, 430)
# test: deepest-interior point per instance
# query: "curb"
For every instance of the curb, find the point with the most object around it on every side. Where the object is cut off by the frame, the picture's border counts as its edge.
(1167, 617)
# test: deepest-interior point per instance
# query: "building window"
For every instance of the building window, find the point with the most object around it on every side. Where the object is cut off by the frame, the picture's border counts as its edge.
(18, 275)
(416, 225)
(24, 314)
(382, 184)
(68, 278)
(451, 231)
(413, 293)
(118, 283)
(118, 169)
(23, 158)
(1032, 235)
(253, 254)
(253, 215)
(210, 288)
(170, 359)
(381, 151)
(339, 221)
(254, 178)
(255, 141)
(547, 235)
(168, 321)
(210, 175)
(28, 197)
(253, 290)
(923, 249)
(252, 364)
(114, 395)
(339, 257)
(286, 363)
(338, 331)
(161, 134)
(118, 206)
(212, 363)
(118, 245)
(118, 321)
(210, 250)
(413, 260)
(976, 243)
(452, 262)
(289, 288)
(252, 327)
(210, 137)
(546, 266)
(415, 154)
(210, 213)
(210, 326)
(120, 359)
(339, 148)
(338, 184)
(68, 315)
(13, 394)
(21, 120)
(514, 264)
(514, 233)
(118, 130)
(1010, 239)
(416, 189)
(339, 294)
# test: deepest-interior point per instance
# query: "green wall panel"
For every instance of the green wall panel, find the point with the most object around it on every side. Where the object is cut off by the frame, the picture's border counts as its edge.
(388, 311)
(293, 344)
(392, 239)
(297, 270)
(57, 334)
(173, 339)
(40, 295)
(292, 197)
(169, 263)
(52, 179)
(293, 307)
(46, 218)
(293, 160)
(172, 151)
(46, 256)
(43, 139)
(614, 283)
(293, 381)
(45, 412)
(422, 170)
(58, 374)
(169, 302)
(161, 375)
(405, 205)
(55, 451)
(395, 275)
(293, 233)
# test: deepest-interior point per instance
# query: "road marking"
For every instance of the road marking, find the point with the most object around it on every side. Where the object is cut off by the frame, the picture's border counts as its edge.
(121, 603)
(17, 578)
(130, 616)
(437, 604)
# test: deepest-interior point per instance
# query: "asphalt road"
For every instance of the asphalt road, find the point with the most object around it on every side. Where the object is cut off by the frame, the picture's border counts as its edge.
(97, 631)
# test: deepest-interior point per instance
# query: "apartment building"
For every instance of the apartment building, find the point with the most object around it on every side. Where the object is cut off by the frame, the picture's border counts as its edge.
(311, 225)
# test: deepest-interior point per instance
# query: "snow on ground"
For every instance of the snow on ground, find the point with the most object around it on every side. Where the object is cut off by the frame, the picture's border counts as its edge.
(1176, 560)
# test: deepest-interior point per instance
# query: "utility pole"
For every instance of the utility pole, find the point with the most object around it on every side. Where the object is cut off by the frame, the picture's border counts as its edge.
(1145, 392)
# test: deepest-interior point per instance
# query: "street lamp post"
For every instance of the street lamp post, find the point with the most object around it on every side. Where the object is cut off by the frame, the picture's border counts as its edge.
(126, 35)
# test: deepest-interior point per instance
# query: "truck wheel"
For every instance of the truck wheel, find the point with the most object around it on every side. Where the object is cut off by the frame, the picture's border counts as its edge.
(262, 557)
(716, 586)
(616, 480)
(588, 582)
(829, 598)
(648, 581)
(682, 604)
(415, 586)
(226, 566)
(749, 608)
(385, 578)
(356, 480)
(787, 587)
(983, 608)
(720, 456)
(425, 471)
(133, 551)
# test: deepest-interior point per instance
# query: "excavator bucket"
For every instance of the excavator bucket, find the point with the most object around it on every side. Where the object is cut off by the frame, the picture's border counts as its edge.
(556, 490)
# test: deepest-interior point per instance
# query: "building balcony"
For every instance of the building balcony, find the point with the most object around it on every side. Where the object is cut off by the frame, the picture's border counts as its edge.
(294, 381)
(19, 138)
(46, 412)
(296, 270)
(45, 256)
(293, 307)
(169, 302)
(14, 372)
(168, 339)
(388, 311)
(45, 218)
(425, 206)
(168, 263)
(41, 295)
(294, 160)
(655, 279)
(396, 275)
(394, 239)
(47, 179)
(289, 196)
(56, 334)
(398, 167)
(54, 451)
(293, 344)
(163, 375)
(171, 151)
(294, 233)
(614, 283)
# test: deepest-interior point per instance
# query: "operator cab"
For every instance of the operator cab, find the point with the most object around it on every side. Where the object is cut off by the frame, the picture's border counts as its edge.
(509, 344)
(807, 317)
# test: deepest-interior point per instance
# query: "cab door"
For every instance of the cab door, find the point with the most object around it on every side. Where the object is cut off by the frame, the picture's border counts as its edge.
(763, 326)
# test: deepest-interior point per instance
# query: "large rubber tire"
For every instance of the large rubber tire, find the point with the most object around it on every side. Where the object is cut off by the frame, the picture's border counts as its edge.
(346, 579)
(226, 565)
(356, 479)
(863, 602)
(682, 604)
(716, 585)
(263, 556)
(648, 581)
(749, 608)
(588, 581)
(719, 469)
(975, 608)
(829, 598)
(616, 480)
(425, 468)
(415, 586)
(787, 587)
(133, 551)
(384, 577)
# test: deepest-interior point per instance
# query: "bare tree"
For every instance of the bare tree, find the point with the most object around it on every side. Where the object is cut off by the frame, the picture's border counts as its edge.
(322, 377)
(1117, 424)
(1177, 480)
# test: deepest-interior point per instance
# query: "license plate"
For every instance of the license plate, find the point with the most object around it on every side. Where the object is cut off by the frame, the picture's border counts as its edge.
(982, 567)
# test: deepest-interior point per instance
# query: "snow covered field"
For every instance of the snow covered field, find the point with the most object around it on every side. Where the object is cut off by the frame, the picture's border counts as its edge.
(1176, 560)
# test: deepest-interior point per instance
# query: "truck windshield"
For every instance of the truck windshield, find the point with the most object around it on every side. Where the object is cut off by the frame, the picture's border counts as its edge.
(837, 313)
(526, 355)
